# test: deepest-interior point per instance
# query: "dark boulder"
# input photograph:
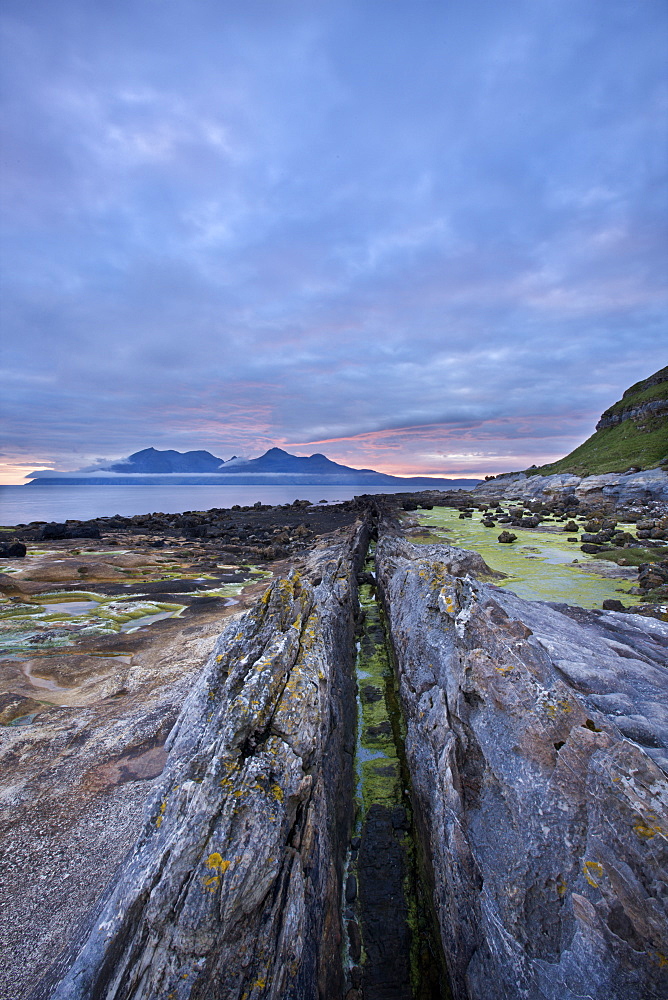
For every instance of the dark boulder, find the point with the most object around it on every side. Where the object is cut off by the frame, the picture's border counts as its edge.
(56, 532)
(87, 529)
(610, 604)
(52, 532)
(507, 536)
(652, 575)
(12, 550)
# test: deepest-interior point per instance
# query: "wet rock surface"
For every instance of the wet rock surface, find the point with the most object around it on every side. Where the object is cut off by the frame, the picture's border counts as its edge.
(392, 942)
(385, 930)
(536, 741)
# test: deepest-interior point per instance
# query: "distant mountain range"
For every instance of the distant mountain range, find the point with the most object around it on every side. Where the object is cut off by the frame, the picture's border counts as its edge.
(199, 468)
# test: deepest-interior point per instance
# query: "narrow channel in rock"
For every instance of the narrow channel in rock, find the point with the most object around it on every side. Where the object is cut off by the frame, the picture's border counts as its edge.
(393, 950)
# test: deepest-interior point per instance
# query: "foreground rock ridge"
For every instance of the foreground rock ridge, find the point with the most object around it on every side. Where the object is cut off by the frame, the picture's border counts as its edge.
(531, 736)
(528, 795)
(233, 887)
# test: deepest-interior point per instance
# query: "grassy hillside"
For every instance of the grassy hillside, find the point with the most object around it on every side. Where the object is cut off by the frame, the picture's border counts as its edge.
(640, 441)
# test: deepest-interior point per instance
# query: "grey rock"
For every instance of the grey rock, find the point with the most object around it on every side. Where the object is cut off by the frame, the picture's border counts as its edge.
(618, 489)
(234, 886)
(537, 743)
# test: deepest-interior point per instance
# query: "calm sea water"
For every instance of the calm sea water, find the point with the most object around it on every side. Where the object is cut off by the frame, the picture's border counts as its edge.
(21, 504)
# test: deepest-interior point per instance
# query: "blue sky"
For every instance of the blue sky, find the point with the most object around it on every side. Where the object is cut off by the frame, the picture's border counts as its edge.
(418, 236)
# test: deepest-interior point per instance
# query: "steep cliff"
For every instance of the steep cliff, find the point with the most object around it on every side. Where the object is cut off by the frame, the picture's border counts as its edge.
(631, 433)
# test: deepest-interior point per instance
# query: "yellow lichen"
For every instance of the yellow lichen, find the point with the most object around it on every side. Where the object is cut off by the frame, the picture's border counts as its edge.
(642, 830)
(161, 814)
(277, 792)
(591, 869)
(217, 863)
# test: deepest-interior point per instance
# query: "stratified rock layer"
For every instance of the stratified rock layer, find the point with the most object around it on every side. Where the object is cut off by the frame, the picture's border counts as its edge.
(531, 733)
(617, 490)
(233, 889)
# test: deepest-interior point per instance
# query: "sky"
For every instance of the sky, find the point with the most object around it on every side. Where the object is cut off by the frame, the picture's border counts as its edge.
(422, 236)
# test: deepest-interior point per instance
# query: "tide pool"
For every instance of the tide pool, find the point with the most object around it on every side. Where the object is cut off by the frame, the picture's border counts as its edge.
(541, 565)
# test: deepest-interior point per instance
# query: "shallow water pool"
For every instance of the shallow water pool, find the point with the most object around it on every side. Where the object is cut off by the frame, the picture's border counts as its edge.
(541, 565)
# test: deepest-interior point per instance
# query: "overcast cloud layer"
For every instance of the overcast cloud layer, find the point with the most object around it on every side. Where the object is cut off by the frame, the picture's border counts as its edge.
(418, 236)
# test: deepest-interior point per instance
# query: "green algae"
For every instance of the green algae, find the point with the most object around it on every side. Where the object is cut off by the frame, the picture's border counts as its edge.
(56, 619)
(383, 779)
(234, 588)
(540, 565)
(378, 768)
(37, 623)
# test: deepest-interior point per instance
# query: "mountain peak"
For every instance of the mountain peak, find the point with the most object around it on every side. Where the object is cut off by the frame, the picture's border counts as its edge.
(151, 460)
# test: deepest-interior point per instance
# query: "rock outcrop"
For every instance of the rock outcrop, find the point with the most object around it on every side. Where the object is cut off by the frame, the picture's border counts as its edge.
(649, 488)
(233, 888)
(629, 408)
(533, 776)
(537, 743)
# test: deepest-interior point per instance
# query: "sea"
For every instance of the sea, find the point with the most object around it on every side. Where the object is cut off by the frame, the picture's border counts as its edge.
(22, 504)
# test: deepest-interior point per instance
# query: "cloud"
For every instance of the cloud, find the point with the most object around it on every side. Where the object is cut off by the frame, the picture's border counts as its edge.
(420, 236)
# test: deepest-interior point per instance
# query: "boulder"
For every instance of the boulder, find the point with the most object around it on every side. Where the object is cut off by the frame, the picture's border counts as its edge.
(56, 532)
(12, 549)
(52, 532)
(507, 536)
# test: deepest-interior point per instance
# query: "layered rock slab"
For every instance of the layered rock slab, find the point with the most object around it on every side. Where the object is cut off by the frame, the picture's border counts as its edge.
(616, 489)
(233, 888)
(545, 824)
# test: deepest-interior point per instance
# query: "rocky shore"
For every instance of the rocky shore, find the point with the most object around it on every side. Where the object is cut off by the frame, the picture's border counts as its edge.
(634, 492)
(225, 801)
